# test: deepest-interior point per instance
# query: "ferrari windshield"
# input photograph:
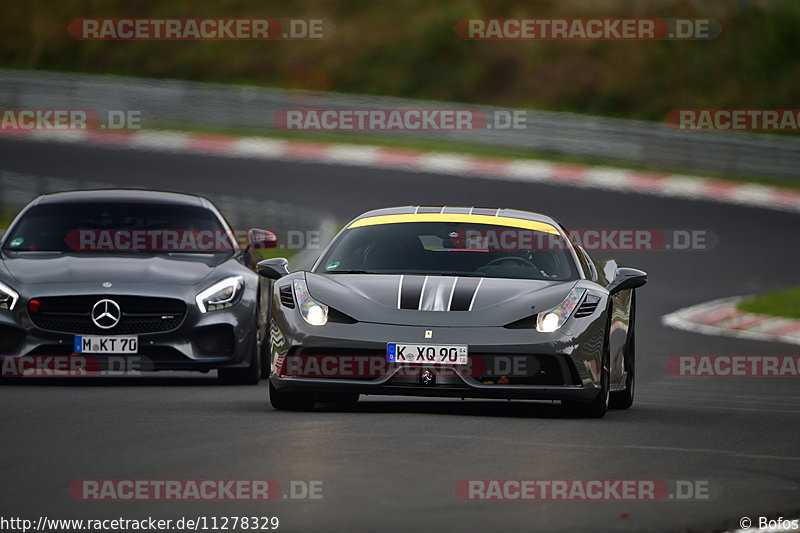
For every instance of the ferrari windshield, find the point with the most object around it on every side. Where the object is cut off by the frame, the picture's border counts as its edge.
(451, 248)
(119, 227)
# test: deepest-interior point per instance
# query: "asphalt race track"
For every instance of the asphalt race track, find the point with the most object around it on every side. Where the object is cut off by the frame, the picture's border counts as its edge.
(393, 463)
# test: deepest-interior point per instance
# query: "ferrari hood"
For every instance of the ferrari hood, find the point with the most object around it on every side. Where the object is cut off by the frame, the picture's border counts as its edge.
(435, 300)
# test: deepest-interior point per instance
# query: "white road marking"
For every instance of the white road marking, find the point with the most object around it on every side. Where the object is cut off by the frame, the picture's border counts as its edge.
(60, 135)
(257, 148)
(160, 141)
(352, 155)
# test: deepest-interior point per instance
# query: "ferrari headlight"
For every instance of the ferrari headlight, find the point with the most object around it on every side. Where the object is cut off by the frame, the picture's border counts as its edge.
(552, 319)
(311, 310)
(8, 297)
(220, 295)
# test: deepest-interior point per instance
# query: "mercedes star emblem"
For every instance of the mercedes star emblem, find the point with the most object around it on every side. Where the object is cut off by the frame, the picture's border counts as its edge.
(106, 314)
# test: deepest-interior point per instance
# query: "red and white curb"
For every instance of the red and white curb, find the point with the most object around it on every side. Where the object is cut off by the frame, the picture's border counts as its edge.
(522, 170)
(721, 317)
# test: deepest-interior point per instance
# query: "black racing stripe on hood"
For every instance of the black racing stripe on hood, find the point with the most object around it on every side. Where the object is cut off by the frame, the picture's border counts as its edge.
(411, 291)
(463, 293)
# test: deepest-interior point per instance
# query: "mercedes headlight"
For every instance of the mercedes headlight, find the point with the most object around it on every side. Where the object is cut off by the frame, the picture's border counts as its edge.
(311, 310)
(220, 295)
(8, 297)
(552, 319)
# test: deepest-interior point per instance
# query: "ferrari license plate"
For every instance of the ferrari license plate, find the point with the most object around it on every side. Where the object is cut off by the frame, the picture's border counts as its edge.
(115, 344)
(429, 354)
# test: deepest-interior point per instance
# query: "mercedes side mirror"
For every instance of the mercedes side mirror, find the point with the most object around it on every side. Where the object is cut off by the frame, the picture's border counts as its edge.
(261, 239)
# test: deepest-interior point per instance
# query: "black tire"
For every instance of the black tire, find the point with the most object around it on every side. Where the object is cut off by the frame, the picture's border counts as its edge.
(624, 399)
(249, 375)
(598, 407)
(266, 358)
(265, 345)
(290, 401)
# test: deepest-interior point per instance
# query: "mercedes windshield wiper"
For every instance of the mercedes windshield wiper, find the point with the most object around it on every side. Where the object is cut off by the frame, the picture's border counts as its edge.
(347, 272)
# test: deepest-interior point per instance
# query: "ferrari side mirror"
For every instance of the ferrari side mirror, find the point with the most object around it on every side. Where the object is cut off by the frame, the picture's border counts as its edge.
(274, 268)
(626, 279)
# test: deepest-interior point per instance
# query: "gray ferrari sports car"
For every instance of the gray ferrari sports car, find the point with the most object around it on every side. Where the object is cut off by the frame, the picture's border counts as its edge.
(454, 302)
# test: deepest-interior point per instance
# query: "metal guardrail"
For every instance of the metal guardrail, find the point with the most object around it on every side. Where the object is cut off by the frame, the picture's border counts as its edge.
(205, 104)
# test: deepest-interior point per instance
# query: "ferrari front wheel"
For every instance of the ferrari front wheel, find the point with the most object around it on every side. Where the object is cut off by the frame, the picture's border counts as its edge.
(624, 398)
(290, 401)
(598, 407)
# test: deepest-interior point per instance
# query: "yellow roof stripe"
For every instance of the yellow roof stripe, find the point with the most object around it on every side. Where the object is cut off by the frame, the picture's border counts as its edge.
(454, 217)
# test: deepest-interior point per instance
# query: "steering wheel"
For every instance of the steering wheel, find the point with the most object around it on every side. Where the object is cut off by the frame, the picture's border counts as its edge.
(519, 260)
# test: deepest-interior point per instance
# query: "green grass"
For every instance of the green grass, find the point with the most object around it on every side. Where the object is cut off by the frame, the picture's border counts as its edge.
(278, 252)
(784, 303)
(433, 145)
